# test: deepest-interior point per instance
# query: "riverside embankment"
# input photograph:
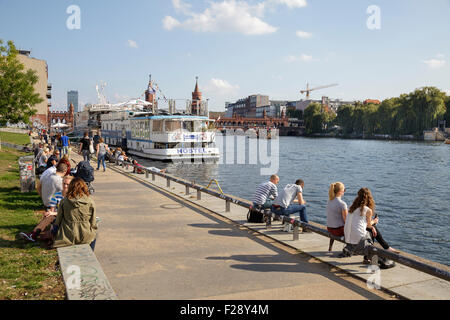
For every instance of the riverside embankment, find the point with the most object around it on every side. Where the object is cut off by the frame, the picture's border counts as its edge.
(157, 242)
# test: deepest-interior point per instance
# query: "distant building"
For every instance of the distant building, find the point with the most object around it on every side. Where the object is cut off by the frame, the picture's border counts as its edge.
(42, 87)
(65, 117)
(247, 107)
(368, 101)
(72, 99)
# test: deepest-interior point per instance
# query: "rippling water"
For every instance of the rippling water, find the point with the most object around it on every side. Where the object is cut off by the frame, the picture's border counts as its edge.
(410, 182)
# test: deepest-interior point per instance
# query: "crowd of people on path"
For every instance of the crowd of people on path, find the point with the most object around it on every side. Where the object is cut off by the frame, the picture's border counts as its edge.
(357, 225)
(69, 216)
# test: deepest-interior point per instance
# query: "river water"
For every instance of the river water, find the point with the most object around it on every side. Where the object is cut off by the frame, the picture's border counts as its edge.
(410, 182)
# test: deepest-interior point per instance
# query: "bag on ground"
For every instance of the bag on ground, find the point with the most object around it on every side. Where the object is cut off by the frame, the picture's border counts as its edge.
(255, 216)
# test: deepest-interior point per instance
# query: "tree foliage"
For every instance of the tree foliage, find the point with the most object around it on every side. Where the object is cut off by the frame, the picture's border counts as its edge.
(409, 114)
(17, 94)
(316, 118)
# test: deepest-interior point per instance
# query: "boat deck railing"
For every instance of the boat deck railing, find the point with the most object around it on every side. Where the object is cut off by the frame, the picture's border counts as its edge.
(374, 252)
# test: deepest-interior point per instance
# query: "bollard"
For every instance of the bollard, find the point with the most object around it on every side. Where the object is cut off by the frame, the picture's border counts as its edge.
(146, 174)
(227, 206)
(199, 195)
(296, 232)
(168, 182)
(187, 190)
(153, 176)
(268, 223)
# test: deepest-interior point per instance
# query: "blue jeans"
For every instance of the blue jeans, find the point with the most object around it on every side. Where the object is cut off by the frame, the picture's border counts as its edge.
(86, 155)
(292, 209)
(93, 244)
(101, 158)
(266, 205)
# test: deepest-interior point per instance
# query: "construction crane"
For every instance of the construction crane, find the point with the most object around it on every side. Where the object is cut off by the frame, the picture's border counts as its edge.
(308, 90)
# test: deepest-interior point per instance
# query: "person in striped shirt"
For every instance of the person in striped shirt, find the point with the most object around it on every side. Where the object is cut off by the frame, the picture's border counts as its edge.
(50, 214)
(266, 192)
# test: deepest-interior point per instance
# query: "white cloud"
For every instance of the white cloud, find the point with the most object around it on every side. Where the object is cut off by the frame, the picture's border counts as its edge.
(292, 3)
(435, 63)
(132, 44)
(220, 87)
(227, 15)
(169, 23)
(303, 57)
(303, 34)
(181, 6)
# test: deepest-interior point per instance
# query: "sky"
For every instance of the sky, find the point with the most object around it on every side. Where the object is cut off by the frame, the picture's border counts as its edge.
(373, 49)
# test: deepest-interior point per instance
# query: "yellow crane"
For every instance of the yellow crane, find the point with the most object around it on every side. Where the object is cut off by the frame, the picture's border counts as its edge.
(308, 90)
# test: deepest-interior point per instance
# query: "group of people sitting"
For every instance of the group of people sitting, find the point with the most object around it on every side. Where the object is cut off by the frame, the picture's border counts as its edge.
(69, 217)
(357, 225)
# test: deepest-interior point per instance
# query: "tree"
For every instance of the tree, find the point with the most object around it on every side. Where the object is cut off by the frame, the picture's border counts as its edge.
(313, 118)
(447, 112)
(17, 94)
(344, 118)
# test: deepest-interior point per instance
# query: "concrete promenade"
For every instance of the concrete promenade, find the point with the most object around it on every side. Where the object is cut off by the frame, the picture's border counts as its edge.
(155, 245)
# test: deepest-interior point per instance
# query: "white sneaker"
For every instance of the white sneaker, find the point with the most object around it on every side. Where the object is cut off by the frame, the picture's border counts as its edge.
(288, 227)
(26, 237)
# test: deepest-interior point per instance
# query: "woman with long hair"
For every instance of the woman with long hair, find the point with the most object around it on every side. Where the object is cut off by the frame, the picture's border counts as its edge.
(76, 221)
(361, 222)
(336, 211)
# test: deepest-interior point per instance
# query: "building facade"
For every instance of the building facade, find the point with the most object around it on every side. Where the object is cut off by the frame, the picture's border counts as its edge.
(72, 99)
(42, 87)
(65, 117)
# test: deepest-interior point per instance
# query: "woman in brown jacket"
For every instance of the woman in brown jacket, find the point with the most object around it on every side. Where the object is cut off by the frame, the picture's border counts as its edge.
(76, 221)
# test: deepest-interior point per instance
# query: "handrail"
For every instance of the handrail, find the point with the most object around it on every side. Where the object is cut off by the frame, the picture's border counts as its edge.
(217, 183)
(373, 251)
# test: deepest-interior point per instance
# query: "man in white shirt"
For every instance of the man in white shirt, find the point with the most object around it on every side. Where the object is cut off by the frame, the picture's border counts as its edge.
(52, 184)
(283, 204)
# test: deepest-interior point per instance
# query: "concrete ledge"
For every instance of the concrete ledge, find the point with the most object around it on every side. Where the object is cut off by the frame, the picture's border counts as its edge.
(83, 275)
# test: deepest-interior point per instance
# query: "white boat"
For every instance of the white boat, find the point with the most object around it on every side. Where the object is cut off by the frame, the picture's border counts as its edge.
(161, 137)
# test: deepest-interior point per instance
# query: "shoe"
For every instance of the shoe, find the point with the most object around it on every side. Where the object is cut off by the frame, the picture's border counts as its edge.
(288, 227)
(97, 169)
(304, 230)
(27, 236)
(366, 261)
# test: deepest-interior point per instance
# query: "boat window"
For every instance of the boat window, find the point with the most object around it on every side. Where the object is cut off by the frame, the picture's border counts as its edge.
(157, 126)
(173, 125)
(197, 126)
(147, 129)
(187, 126)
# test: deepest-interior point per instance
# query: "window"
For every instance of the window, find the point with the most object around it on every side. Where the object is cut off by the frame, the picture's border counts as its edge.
(173, 125)
(157, 126)
(187, 126)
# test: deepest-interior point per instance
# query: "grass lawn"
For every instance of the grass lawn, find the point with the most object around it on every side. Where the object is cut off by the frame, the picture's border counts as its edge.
(27, 270)
(15, 138)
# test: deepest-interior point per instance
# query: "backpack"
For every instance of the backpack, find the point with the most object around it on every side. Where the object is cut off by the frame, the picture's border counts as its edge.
(255, 216)
(85, 171)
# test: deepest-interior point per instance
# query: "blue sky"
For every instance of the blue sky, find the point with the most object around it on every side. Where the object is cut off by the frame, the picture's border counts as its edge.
(236, 48)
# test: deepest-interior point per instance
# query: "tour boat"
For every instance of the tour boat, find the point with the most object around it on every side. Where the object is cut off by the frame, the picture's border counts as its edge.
(161, 136)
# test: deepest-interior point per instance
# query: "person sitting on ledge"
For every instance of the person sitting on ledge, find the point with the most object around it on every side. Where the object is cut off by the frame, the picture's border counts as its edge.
(76, 222)
(266, 192)
(50, 214)
(360, 227)
(336, 211)
(283, 204)
(52, 184)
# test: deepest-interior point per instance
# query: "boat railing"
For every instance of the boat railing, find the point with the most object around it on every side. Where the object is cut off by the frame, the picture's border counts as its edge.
(374, 252)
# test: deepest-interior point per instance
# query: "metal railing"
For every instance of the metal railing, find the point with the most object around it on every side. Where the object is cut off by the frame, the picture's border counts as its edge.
(374, 252)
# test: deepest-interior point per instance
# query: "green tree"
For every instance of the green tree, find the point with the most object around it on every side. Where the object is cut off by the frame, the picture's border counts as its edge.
(344, 118)
(17, 94)
(447, 112)
(313, 118)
